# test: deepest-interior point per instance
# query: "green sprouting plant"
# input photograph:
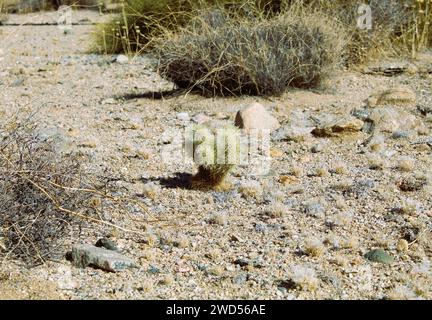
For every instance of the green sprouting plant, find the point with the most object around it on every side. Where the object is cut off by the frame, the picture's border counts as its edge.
(216, 151)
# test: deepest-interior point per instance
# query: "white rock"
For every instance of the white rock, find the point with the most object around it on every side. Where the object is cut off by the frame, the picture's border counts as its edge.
(256, 117)
(122, 59)
(184, 116)
(109, 101)
(201, 118)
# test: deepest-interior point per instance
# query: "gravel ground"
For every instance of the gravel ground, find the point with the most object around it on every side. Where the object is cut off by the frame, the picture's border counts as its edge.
(299, 232)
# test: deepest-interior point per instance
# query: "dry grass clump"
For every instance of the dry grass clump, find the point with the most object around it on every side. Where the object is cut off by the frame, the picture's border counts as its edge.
(37, 197)
(406, 164)
(140, 21)
(304, 277)
(250, 189)
(397, 26)
(26, 6)
(260, 56)
(416, 34)
(314, 247)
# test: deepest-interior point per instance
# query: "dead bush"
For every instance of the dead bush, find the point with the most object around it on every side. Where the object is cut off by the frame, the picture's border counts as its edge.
(398, 26)
(140, 21)
(25, 6)
(221, 54)
(38, 194)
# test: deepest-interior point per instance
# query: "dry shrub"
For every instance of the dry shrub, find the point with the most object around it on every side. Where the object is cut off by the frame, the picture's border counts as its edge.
(398, 26)
(416, 35)
(36, 193)
(221, 54)
(25, 6)
(140, 21)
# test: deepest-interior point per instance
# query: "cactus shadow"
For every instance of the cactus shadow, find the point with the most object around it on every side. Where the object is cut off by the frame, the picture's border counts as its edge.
(180, 180)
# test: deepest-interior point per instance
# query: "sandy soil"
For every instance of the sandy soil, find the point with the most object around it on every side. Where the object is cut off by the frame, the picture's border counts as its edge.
(253, 241)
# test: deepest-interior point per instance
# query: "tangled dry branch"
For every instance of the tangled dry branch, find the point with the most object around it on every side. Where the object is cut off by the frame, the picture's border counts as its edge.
(45, 195)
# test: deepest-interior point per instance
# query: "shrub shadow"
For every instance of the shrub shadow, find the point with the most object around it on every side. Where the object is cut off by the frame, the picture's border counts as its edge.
(154, 95)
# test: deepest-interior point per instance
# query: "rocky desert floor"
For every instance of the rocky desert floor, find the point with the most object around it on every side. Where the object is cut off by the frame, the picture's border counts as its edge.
(350, 172)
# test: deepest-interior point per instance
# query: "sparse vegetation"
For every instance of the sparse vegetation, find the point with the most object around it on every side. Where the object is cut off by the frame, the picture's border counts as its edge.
(38, 201)
(304, 277)
(141, 21)
(314, 247)
(250, 189)
(219, 54)
(25, 6)
(46, 195)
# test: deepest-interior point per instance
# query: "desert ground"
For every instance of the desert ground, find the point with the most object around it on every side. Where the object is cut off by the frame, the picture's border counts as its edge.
(361, 181)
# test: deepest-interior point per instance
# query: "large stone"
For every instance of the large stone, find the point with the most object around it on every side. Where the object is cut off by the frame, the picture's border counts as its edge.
(337, 127)
(84, 255)
(391, 119)
(397, 96)
(256, 117)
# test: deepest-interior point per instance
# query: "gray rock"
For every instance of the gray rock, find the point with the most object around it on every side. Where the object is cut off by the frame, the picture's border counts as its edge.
(153, 270)
(391, 119)
(314, 209)
(298, 129)
(366, 184)
(107, 244)
(242, 262)
(240, 279)
(397, 96)
(317, 148)
(84, 255)
(338, 126)
(427, 141)
(425, 110)
(380, 256)
(362, 114)
(279, 135)
(400, 135)
(18, 82)
(261, 227)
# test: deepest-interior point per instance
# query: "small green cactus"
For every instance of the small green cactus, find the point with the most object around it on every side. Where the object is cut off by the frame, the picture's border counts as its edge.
(216, 151)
